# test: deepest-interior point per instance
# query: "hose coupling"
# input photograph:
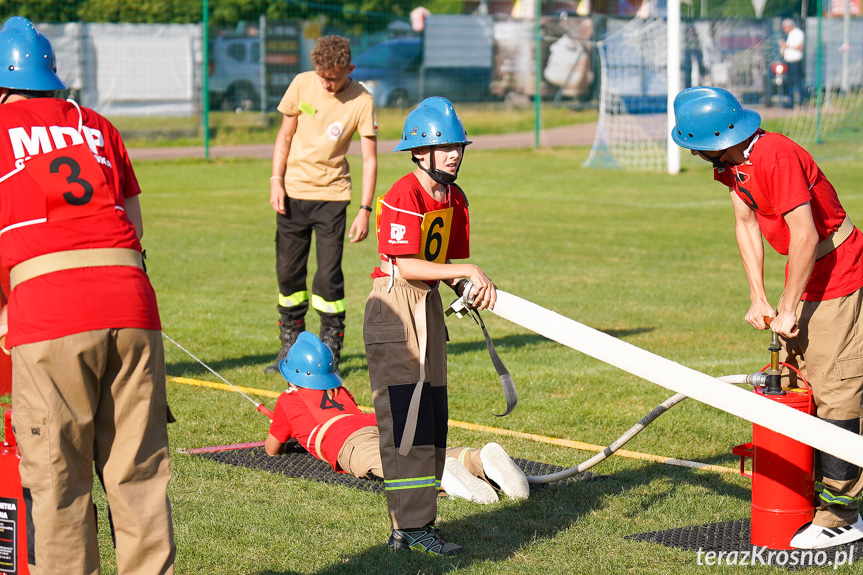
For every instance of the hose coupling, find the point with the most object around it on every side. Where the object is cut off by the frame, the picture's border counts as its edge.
(464, 302)
(757, 379)
(770, 382)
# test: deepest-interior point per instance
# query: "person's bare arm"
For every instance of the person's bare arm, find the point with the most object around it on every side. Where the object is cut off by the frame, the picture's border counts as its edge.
(751, 246)
(281, 149)
(133, 212)
(4, 328)
(273, 446)
(360, 226)
(484, 290)
(801, 261)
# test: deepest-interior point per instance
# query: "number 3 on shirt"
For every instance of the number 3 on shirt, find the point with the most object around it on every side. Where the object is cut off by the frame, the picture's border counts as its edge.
(434, 238)
(72, 181)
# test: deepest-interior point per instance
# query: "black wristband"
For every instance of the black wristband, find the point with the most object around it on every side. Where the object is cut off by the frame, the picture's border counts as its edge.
(459, 285)
(369, 208)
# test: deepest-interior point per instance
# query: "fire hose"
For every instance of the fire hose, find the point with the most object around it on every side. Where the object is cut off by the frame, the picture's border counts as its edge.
(687, 382)
(767, 380)
(631, 433)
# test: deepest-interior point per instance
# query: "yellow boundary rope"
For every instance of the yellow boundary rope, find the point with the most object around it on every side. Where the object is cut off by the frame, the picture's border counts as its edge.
(497, 431)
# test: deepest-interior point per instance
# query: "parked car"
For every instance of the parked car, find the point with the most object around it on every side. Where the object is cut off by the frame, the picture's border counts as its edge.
(235, 73)
(392, 71)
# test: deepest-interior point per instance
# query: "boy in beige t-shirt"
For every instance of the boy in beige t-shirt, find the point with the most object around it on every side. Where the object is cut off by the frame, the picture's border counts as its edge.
(310, 189)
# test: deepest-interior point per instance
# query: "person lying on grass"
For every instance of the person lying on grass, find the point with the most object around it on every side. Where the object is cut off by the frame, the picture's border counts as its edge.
(321, 414)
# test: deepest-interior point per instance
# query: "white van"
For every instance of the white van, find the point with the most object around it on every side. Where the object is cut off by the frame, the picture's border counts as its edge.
(235, 73)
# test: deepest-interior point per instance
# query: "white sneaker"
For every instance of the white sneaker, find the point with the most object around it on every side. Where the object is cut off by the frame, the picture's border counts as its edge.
(458, 482)
(503, 471)
(815, 537)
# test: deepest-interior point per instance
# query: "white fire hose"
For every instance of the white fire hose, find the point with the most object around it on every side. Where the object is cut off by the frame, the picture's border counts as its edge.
(716, 392)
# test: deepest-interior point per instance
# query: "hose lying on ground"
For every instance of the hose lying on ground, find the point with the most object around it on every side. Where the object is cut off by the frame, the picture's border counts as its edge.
(629, 435)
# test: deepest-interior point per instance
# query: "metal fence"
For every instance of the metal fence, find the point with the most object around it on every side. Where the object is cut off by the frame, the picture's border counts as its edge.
(145, 69)
(164, 77)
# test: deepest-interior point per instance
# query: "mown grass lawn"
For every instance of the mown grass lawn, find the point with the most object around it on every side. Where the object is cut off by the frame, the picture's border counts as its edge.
(648, 258)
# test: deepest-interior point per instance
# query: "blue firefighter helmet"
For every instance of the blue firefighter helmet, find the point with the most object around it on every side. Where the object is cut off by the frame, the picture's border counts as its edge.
(310, 364)
(710, 119)
(27, 58)
(432, 123)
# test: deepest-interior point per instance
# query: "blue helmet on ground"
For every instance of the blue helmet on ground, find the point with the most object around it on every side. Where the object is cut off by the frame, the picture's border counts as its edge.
(710, 119)
(27, 58)
(310, 364)
(432, 123)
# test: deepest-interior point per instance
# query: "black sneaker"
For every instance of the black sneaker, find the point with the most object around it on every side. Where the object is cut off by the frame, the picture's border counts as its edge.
(426, 540)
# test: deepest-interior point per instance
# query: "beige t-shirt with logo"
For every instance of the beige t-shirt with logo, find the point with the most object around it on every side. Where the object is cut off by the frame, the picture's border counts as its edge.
(317, 168)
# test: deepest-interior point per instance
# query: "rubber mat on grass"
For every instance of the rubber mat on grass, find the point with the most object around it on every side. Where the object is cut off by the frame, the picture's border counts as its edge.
(732, 540)
(297, 462)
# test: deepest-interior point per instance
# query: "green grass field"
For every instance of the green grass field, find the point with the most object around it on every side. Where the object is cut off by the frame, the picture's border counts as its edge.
(648, 258)
(229, 128)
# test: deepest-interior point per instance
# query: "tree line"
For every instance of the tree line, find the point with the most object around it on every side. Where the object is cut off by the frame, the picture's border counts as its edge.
(365, 14)
(357, 14)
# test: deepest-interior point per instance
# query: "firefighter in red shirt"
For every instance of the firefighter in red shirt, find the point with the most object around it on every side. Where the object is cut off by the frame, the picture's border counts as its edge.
(82, 323)
(423, 226)
(780, 193)
(321, 414)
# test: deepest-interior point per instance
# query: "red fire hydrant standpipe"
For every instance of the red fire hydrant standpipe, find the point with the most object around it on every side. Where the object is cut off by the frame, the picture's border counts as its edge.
(783, 470)
(783, 478)
(13, 515)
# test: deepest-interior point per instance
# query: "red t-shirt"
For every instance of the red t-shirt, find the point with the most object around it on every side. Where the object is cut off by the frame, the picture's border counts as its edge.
(66, 176)
(300, 412)
(781, 176)
(411, 222)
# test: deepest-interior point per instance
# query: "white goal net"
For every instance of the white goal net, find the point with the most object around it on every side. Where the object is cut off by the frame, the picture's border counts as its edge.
(739, 55)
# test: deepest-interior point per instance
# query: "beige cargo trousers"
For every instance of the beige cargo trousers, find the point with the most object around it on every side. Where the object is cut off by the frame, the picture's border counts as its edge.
(397, 321)
(96, 397)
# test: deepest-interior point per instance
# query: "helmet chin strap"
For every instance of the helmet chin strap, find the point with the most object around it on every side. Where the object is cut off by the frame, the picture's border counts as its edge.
(439, 176)
(717, 163)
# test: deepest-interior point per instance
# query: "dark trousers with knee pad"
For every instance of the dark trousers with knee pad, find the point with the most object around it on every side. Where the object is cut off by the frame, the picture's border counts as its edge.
(392, 348)
(840, 482)
(293, 243)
